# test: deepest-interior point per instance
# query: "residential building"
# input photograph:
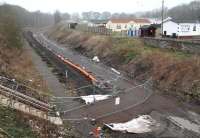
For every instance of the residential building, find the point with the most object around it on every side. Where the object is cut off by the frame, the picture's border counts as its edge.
(70, 24)
(181, 29)
(97, 23)
(152, 30)
(118, 25)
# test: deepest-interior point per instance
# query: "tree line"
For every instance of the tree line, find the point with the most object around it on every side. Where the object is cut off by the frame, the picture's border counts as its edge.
(89, 16)
(14, 18)
(189, 11)
(25, 18)
(184, 12)
(10, 32)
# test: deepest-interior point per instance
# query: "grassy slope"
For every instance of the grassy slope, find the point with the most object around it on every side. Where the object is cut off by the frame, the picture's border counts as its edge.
(15, 63)
(12, 125)
(174, 72)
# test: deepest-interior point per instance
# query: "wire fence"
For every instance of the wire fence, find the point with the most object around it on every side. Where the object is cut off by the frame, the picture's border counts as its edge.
(16, 86)
(146, 97)
(100, 30)
(82, 106)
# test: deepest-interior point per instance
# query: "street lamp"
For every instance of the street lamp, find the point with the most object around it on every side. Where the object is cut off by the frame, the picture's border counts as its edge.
(162, 16)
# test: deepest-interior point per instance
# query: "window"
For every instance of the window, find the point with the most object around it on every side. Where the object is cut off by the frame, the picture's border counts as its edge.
(185, 28)
(118, 26)
(195, 28)
(125, 26)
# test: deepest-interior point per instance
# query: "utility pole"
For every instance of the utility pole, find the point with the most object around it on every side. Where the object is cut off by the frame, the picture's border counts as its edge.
(94, 91)
(162, 16)
(66, 75)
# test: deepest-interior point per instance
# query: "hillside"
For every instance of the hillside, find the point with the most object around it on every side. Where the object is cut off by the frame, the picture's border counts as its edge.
(11, 126)
(15, 63)
(25, 18)
(174, 73)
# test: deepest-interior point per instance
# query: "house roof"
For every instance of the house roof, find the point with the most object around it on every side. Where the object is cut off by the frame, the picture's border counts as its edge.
(70, 21)
(99, 21)
(129, 20)
(186, 21)
(146, 27)
(180, 21)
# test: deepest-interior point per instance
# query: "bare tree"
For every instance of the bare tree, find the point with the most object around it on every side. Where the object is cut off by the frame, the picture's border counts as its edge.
(86, 15)
(105, 15)
(57, 17)
(75, 17)
(66, 16)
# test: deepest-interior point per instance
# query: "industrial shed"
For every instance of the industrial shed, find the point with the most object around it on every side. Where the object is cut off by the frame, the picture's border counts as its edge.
(150, 30)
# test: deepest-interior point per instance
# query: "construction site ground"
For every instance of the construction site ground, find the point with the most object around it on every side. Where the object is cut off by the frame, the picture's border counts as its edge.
(139, 101)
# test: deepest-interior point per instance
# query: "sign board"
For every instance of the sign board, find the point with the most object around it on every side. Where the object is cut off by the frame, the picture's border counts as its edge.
(66, 74)
(117, 101)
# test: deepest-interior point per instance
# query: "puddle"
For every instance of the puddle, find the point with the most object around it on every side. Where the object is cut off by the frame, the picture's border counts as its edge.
(185, 124)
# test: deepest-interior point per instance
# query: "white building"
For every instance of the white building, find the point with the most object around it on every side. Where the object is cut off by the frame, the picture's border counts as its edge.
(155, 21)
(118, 25)
(180, 29)
(97, 23)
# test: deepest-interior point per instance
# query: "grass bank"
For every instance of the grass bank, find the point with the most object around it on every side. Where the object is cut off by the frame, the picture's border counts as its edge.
(15, 63)
(12, 126)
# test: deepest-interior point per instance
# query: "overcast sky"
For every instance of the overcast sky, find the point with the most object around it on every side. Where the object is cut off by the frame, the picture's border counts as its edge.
(71, 6)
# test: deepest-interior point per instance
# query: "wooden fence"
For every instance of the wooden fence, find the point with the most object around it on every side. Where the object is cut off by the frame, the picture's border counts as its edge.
(96, 30)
